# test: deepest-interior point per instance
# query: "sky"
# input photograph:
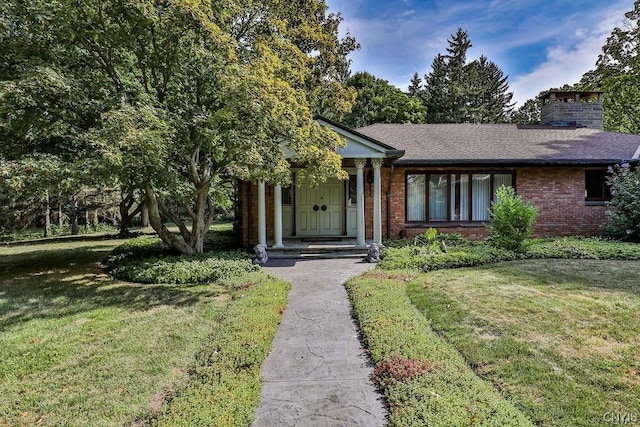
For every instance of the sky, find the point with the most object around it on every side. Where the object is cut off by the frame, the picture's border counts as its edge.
(539, 44)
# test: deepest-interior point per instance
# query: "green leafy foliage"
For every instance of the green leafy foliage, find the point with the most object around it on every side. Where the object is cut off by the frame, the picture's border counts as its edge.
(470, 254)
(148, 260)
(377, 101)
(424, 379)
(583, 248)
(510, 220)
(208, 90)
(624, 183)
(617, 72)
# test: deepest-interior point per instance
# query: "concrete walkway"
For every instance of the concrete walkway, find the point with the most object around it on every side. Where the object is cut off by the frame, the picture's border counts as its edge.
(317, 373)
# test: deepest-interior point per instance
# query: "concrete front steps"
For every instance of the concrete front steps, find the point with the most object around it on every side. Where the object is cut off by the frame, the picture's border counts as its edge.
(317, 248)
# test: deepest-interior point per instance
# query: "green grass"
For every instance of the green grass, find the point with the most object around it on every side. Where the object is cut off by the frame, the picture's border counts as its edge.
(561, 338)
(80, 348)
(424, 379)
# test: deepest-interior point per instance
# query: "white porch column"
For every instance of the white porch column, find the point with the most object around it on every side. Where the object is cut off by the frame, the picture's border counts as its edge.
(360, 240)
(377, 202)
(262, 215)
(277, 216)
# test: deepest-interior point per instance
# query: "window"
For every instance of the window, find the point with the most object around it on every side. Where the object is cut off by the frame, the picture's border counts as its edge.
(595, 186)
(456, 197)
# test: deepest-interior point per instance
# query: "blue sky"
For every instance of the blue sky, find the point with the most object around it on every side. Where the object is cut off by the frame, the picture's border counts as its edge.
(539, 43)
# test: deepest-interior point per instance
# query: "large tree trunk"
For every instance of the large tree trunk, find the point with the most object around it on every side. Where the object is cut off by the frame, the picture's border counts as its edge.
(126, 215)
(155, 220)
(202, 216)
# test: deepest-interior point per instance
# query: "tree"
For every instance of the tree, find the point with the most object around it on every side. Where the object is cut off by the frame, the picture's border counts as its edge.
(415, 87)
(460, 92)
(528, 113)
(377, 101)
(489, 99)
(177, 97)
(617, 72)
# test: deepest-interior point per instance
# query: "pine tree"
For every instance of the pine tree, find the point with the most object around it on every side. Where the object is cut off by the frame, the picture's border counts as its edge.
(488, 99)
(457, 92)
(415, 88)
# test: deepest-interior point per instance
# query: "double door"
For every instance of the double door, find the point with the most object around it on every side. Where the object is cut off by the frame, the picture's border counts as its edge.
(320, 210)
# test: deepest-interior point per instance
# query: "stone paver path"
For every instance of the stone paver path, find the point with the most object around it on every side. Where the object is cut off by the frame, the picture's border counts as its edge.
(317, 373)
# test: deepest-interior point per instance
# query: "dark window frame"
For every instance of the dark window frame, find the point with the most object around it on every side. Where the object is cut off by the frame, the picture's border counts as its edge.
(604, 194)
(458, 174)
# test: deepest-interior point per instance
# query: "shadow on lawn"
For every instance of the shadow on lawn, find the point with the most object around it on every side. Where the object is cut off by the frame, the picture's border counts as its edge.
(60, 282)
(579, 274)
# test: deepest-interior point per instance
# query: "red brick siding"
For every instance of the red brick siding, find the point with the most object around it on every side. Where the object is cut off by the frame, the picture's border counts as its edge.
(557, 192)
(559, 195)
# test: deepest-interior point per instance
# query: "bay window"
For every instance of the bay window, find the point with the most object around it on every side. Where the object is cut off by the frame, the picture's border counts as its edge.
(453, 197)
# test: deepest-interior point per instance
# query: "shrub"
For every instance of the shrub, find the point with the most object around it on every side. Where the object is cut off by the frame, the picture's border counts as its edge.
(625, 203)
(423, 258)
(511, 220)
(424, 379)
(148, 260)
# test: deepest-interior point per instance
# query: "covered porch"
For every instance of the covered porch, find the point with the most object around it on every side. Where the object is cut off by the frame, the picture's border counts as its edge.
(338, 213)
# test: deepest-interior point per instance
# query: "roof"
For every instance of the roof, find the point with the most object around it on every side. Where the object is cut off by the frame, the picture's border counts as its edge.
(426, 144)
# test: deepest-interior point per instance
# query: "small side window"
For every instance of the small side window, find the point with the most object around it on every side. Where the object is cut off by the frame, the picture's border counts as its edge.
(595, 186)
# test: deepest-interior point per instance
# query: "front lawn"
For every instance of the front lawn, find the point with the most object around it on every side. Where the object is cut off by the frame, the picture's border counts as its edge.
(552, 342)
(80, 348)
(561, 337)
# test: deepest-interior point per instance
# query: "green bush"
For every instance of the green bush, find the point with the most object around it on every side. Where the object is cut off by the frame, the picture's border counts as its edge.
(583, 248)
(148, 260)
(424, 379)
(510, 220)
(425, 259)
(625, 203)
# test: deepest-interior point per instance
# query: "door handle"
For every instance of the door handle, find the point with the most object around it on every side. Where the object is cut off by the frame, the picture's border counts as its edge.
(315, 208)
(323, 207)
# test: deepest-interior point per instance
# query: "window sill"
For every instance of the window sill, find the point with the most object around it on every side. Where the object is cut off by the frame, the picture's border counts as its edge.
(436, 224)
(596, 202)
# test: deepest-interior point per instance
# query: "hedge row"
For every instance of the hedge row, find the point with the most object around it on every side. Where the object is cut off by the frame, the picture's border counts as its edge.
(472, 254)
(224, 387)
(424, 379)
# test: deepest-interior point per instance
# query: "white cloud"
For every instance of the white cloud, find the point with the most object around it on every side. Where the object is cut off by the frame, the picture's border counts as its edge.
(568, 60)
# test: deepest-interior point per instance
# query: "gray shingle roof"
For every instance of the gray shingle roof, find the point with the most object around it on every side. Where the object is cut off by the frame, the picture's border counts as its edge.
(503, 143)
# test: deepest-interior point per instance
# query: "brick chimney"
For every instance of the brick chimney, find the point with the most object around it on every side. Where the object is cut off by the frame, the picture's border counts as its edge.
(572, 108)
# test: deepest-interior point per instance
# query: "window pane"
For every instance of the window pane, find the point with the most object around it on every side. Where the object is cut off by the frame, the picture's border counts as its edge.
(352, 189)
(595, 185)
(459, 197)
(500, 179)
(416, 208)
(480, 196)
(437, 197)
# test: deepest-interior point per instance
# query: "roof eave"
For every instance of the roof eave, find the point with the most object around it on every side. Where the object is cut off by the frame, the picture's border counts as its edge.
(512, 162)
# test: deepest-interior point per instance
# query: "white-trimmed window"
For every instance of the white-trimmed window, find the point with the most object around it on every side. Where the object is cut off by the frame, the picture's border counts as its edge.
(452, 197)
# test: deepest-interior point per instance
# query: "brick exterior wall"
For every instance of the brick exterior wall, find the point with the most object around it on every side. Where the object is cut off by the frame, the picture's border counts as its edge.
(558, 192)
(559, 195)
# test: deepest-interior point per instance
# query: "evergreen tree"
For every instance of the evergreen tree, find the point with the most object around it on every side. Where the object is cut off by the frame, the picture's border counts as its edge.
(415, 88)
(457, 92)
(437, 92)
(489, 99)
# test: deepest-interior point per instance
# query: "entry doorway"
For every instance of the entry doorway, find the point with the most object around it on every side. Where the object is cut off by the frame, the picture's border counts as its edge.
(320, 210)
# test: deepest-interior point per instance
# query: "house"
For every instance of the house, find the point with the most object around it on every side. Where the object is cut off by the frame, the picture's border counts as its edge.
(405, 178)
